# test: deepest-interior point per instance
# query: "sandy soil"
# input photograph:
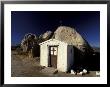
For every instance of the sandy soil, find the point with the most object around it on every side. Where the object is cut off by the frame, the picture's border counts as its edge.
(23, 66)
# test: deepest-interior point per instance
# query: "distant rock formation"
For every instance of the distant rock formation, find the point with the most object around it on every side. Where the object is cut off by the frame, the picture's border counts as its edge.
(47, 35)
(29, 44)
(28, 41)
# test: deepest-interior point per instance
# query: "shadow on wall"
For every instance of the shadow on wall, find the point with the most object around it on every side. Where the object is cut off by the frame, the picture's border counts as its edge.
(89, 61)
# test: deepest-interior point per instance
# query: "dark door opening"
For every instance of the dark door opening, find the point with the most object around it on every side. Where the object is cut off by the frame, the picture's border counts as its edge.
(53, 51)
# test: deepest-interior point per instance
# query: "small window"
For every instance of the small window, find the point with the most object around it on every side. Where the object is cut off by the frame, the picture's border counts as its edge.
(53, 50)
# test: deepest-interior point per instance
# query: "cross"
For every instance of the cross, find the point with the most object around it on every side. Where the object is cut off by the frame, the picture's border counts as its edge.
(53, 50)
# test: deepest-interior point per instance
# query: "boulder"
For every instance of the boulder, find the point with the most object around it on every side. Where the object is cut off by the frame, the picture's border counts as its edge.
(72, 37)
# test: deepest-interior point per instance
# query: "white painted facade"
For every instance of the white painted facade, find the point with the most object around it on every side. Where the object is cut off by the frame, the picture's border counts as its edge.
(65, 54)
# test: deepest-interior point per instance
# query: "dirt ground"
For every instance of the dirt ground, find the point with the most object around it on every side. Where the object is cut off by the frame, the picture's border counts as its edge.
(23, 66)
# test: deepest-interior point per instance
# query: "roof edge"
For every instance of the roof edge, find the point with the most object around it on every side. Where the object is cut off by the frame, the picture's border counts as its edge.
(50, 40)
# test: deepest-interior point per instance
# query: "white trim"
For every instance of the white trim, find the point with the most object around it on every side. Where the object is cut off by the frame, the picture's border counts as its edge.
(51, 40)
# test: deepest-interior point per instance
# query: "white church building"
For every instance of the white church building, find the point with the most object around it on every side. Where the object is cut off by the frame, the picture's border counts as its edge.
(57, 54)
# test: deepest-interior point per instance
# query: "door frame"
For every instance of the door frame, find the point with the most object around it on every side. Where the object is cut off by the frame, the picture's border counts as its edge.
(49, 56)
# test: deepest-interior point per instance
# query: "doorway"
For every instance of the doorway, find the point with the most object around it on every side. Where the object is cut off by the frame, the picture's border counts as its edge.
(53, 53)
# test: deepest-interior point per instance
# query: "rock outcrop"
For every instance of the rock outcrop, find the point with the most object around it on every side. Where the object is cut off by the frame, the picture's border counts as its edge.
(28, 41)
(47, 35)
(72, 37)
(29, 44)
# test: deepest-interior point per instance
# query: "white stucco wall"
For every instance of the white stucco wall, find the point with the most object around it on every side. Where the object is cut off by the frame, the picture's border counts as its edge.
(62, 54)
(62, 57)
(44, 55)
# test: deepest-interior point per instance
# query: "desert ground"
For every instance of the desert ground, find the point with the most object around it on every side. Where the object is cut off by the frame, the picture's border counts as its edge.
(23, 66)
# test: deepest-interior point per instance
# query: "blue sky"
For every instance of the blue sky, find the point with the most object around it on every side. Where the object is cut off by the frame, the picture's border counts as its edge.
(87, 23)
